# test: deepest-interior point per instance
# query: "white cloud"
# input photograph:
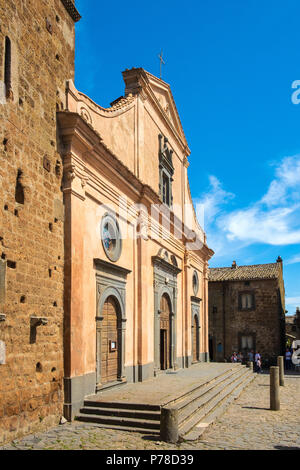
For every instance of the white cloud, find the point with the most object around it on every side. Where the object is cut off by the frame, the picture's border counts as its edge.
(256, 225)
(213, 201)
(292, 301)
(287, 179)
(295, 259)
(274, 219)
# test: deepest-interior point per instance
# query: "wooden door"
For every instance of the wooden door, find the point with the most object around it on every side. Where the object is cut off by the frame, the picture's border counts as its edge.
(165, 333)
(110, 342)
(195, 339)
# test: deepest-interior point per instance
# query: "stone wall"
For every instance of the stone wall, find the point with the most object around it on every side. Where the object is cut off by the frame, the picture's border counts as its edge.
(227, 321)
(41, 34)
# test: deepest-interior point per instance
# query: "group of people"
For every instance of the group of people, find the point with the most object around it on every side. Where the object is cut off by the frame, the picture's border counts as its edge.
(289, 365)
(256, 358)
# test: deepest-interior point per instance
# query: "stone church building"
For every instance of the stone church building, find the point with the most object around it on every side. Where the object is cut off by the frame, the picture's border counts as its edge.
(247, 311)
(103, 265)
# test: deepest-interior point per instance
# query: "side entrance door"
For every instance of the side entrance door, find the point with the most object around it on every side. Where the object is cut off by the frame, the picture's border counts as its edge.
(165, 333)
(110, 342)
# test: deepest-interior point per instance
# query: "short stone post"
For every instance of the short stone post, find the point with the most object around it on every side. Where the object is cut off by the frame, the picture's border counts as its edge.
(274, 388)
(250, 365)
(169, 425)
(280, 364)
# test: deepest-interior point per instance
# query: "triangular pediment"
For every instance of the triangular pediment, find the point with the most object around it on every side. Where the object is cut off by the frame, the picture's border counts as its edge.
(137, 80)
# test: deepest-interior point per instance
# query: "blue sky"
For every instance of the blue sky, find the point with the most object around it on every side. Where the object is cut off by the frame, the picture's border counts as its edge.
(231, 66)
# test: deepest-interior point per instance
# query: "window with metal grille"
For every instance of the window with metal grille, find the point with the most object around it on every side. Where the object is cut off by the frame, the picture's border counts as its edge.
(7, 67)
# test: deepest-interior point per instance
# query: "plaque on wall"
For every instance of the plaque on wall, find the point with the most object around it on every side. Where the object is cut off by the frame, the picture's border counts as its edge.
(2, 352)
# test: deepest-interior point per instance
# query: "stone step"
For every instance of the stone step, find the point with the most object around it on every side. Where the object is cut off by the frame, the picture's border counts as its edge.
(208, 394)
(141, 414)
(214, 400)
(189, 404)
(185, 396)
(207, 413)
(119, 405)
(154, 432)
(134, 423)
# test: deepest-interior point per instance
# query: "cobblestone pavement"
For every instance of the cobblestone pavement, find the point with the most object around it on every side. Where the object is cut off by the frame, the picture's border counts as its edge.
(246, 424)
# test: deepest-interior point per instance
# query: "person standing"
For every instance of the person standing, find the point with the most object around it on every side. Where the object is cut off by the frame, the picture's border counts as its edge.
(288, 359)
(234, 357)
(256, 358)
(251, 356)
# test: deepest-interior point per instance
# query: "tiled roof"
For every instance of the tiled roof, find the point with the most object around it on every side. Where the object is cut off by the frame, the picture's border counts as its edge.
(71, 9)
(241, 273)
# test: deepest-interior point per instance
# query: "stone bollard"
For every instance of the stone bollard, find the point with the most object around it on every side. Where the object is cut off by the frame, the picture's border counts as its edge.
(250, 365)
(274, 388)
(169, 425)
(280, 364)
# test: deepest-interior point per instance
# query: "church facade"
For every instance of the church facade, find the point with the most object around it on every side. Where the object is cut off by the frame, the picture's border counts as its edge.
(135, 256)
(104, 267)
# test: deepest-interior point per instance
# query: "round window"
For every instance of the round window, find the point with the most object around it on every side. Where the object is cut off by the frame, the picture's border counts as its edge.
(111, 237)
(195, 283)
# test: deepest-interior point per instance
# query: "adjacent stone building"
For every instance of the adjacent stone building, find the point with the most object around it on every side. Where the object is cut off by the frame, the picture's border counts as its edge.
(103, 265)
(247, 311)
(293, 327)
(36, 59)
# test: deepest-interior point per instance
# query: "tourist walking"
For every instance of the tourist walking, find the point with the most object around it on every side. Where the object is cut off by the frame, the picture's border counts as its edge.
(258, 366)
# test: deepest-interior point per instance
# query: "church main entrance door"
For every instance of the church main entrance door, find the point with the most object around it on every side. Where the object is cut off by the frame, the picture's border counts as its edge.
(110, 345)
(165, 333)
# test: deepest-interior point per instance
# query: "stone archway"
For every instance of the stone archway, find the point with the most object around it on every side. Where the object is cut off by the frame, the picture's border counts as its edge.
(111, 302)
(110, 338)
(195, 335)
(111, 341)
(165, 333)
(195, 329)
(165, 286)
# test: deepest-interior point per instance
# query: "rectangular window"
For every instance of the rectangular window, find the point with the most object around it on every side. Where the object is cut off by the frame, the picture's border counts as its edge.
(7, 67)
(166, 190)
(247, 342)
(246, 301)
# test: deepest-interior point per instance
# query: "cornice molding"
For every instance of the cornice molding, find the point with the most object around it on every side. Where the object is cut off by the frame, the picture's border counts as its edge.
(71, 9)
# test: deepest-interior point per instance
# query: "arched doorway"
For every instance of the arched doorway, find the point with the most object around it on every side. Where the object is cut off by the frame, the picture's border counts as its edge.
(165, 333)
(195, 339)
(110, 341)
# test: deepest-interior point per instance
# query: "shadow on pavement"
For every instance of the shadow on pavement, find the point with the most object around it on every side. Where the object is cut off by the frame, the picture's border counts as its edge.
(255, 408)
(286, 448)
(151, 438)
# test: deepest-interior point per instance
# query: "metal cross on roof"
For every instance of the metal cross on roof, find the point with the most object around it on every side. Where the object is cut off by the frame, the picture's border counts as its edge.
(161, 62)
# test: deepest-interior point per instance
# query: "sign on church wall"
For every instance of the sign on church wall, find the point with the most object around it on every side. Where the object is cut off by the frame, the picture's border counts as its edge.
(2, 352)
(2, 281)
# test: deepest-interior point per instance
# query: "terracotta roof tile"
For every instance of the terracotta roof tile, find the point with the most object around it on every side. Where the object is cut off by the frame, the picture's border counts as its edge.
(240, 273)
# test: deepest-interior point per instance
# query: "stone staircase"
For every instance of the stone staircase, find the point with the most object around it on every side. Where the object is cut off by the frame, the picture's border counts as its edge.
(202, 406)
(124, 416)
(196, 409)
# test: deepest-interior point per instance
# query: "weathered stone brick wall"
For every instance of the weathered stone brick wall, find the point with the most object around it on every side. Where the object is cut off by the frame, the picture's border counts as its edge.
(263, 320)
(31, 213)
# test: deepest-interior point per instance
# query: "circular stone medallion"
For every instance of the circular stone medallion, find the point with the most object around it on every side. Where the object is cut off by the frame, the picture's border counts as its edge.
(111, 237)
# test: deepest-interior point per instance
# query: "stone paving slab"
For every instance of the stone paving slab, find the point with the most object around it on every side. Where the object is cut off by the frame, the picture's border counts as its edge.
(166, 387)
